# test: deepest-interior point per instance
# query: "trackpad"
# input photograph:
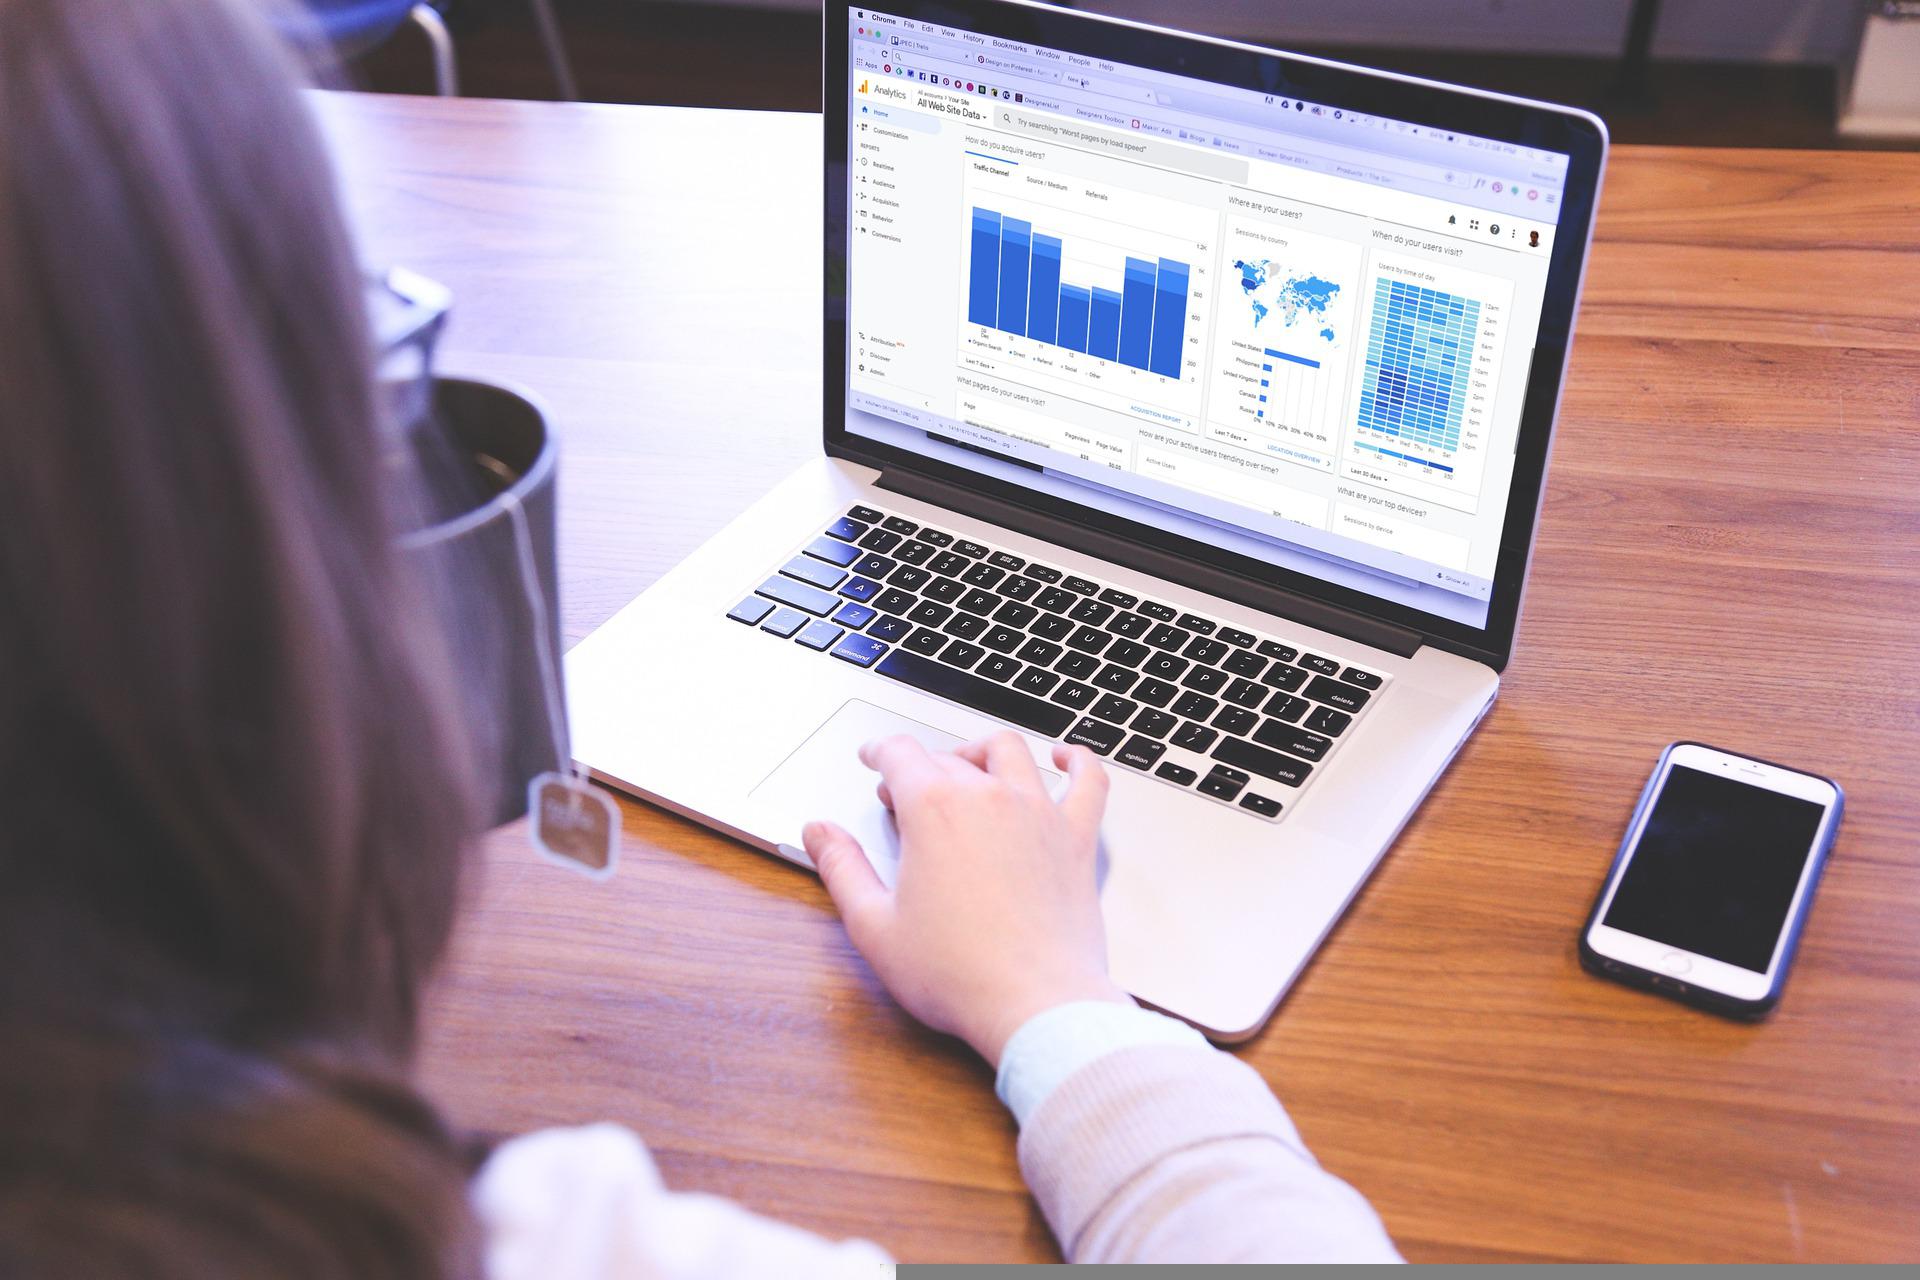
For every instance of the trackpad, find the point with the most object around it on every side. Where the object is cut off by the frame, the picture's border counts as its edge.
(824, 778)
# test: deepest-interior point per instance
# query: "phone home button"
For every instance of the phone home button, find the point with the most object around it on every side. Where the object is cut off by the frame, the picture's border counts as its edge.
(1676, 962)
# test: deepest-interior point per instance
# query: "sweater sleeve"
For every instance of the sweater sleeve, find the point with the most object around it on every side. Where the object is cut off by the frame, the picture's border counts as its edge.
(1176, 1153)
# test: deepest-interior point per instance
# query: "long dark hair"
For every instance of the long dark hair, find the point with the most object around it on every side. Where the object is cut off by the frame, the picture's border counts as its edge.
(234, 798)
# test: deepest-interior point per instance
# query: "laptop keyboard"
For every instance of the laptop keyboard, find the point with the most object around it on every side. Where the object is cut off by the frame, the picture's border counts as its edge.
(1241, 719)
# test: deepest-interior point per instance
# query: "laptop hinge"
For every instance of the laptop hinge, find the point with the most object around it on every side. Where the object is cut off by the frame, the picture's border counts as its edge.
(1161, 564)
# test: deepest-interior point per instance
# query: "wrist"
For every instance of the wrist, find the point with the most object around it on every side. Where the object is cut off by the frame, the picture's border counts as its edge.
(990, 1039)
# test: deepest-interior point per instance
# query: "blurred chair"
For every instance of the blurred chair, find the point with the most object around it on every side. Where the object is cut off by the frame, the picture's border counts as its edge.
(355, 27)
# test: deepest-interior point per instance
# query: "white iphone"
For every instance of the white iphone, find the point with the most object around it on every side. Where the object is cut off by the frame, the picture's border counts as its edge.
(1711, 886)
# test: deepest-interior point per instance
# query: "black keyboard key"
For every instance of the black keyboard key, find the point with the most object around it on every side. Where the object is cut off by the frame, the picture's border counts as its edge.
(998, 666)
(908, 578)
(784, 622)
(1314, 662)
(1155, 693)
(945, 590)
(982, 575)
(1271, 765)
(866, 514)
(1204, 679)
(891, 630)
(860, 589)
(1155, 724)
(1196, 706)
(1115, 709)
(1043, 573)
(1298, 742)
(1245, 693)
(1243, 662)
(817, 572)
(1037, 681)
(1365, 679)
(1091, 612)
(1054, 600)
(1140, 753)
(1178, 774)
(972, 550)
(1015, 614)
(1076, 695)
(1118, 598)
(1282, 676)
(926, 641)
(1335, 693)
(1260, 804)
(1169, 638)
(879, 540)
(751, 610)
(1128, 653)
(799, 595)
(899, 524)
(959, 653)
(1080, 585)
(1194, 737)
(934, 537)
(1099, 738)
(1284, 706)
(874, 565)
(1236, 720)
(1328, 721)
(1130, 625)
(1116, 679)
(1167, 666)
(1001, 639)
(836, 553)
(1052, 627)
(893, 600)
(1080, 666)
(1232, 635)
(1088, 640)
(949, 564)
(861, 651)
(1157, 611)
(915, 552)
(967, 626)
(1278, 652)
(846, 528)
(1196, 624)
(1018, 588)
(819, 635)
(854, 616)
(980, 602)
(995, 700)
(929, 613)
(1207, 651)
(1006, 560)
(1223, 784)
(1039, 651)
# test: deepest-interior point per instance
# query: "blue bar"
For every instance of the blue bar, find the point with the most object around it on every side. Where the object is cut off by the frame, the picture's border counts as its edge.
(1015, 239)
(1073, 317)
(985, 271)
(1169, 318)
(1043, 313)
(1136, 314)
(1281, 355)
(1103, 325)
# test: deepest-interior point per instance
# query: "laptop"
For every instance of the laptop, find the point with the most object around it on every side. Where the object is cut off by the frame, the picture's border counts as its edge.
(1185, 400)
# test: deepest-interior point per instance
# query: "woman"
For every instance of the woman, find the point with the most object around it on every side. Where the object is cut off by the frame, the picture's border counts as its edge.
(238, 796)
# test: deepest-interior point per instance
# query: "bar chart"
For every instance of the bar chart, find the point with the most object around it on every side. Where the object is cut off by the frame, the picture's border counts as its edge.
(1015, 285)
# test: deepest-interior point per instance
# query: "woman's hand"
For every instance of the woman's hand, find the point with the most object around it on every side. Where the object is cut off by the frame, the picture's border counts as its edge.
(995, 915)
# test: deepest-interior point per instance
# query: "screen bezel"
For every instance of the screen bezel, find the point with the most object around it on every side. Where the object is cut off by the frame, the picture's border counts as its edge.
(1582, 137)
(1705, 971)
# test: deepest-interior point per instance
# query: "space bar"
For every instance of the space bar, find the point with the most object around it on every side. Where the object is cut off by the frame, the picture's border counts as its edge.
(996, 700)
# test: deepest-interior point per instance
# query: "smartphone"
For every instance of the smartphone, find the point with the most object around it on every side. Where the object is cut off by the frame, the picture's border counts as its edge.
(1708, 893)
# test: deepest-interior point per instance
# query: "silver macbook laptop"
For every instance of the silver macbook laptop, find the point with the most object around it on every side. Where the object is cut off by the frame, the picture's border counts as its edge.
(1185, 400)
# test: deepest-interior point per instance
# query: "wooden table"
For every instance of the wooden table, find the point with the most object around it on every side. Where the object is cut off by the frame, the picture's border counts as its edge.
(1728, 553)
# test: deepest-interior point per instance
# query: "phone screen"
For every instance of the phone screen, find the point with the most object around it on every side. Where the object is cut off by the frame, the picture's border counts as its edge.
(1716, 867)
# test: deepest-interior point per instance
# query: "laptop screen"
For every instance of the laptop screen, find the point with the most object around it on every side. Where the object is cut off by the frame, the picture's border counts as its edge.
(1279, 325)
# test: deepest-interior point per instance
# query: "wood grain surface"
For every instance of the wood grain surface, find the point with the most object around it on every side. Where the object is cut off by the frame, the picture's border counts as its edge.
(1727, 553)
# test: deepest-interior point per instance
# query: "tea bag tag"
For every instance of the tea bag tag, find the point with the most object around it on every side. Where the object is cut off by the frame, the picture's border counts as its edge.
(574, 824)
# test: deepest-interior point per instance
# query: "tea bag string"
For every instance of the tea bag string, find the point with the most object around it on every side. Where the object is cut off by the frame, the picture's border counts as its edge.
(543, 644)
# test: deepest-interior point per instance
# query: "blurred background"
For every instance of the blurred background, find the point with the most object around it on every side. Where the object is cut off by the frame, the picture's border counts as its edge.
(1745, 73)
